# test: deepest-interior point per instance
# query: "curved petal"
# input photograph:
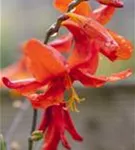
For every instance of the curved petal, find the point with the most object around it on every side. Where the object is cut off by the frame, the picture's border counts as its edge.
(85, 52)
(52, 138)
(70, 126)
(43, 61)
(53, 96)
(121, 75)
(88, 79)
(63, 44)
(115, 3)
(15, 71)
(65, 142)
(92, 81)
(56, 128)
(103, 14)
(83, 8)
(95, 30)
(125, 47)
(44, 121)
(24, 86)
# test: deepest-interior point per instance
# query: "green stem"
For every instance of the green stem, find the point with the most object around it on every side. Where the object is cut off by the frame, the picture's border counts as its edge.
(34, 122)
(56, 26)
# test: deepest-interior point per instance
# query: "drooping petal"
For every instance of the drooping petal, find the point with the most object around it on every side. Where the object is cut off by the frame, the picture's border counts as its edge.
(93, 81)
(70, 126)
(15, 71)
(52, 138)
(55, 121)
(119, 76)
(55, 128)
(95, 30)
(115, 3)
(62, 44)
(65, 142)
(88, 79)
(24, 86)
(103, 14)
(82, 43)
(83, 8)
(125, 47)
(85, 52)
(44, 121)
(43, 61)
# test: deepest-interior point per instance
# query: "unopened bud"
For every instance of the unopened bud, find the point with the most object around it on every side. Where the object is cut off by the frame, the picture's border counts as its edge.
(37, 135)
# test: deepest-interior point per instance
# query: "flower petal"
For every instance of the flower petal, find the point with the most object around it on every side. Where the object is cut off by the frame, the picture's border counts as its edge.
(62, 44)
(44, 121)
(24, 86)
(65, 142)
(103, 14)
(115, 3)
(92, 81)
(43, 60)
(85, 52)
(52, 96)
(52, 138)
(125, 47)
(15, 71)
(88, 79)
(55, 127)
(70, 126)
(83, 8)
(95, 30)
(121, 75)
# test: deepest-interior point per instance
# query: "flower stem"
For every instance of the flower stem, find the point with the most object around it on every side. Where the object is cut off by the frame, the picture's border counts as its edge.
(34, 122)
(56, 26)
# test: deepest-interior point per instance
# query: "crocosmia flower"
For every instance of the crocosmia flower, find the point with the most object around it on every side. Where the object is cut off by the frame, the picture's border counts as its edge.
(55, 121)
(43, 62)
(50, 74)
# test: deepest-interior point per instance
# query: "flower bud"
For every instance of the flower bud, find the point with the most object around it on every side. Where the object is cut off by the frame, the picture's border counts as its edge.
(37, 135)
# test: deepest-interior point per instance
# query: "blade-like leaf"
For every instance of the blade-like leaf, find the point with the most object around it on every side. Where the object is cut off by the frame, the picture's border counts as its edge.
(2, 143)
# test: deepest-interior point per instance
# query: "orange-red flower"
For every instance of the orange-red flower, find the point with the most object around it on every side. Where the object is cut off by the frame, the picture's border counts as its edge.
(45, 64)
(55, 74)
(102, 15)
(109, 43)
(55, 121)
(19, 70)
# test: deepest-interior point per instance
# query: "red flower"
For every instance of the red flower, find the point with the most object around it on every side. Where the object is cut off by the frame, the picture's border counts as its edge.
(63, 5)
(103, 14)
(53, 73)
(55, 121)
(110, 44)
(42, 62)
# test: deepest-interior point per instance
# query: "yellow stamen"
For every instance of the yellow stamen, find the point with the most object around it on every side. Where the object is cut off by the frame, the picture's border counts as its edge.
(71, 103)
(73, 100)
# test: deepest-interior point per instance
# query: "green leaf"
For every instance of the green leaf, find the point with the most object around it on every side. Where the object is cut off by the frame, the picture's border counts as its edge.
(2, 143)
